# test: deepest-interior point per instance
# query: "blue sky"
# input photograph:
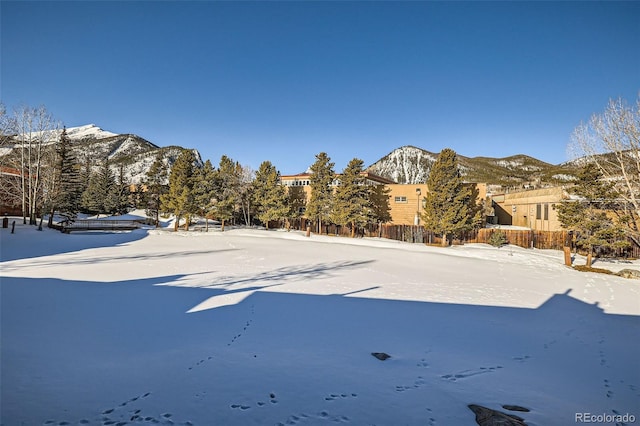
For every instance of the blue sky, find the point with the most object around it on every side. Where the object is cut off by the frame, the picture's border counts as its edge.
(282, 81)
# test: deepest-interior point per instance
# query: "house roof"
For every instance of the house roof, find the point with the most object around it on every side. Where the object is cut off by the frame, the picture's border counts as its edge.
(367, 175)
(9, 171)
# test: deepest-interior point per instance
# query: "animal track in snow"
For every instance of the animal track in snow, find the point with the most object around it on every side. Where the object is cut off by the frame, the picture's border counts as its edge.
(470, 373)
(240, 406)
(231, 342)
(419, 382)
(521, 358)
(244, 407)
(120, 416)
(422, 363)
(432, 421)
(323, 416)
(334, 396)
(244, 328)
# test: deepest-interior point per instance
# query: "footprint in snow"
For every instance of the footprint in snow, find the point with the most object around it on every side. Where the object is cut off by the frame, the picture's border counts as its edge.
(334, 396)
(470, 373)
(522, 358)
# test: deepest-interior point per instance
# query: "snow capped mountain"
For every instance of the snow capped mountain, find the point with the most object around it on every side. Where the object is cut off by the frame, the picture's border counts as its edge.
(407, 164)
(129, 153)
(412, 165)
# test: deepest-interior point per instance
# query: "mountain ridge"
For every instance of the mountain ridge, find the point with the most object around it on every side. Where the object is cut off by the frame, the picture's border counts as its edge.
(126, 152)
(410, 164)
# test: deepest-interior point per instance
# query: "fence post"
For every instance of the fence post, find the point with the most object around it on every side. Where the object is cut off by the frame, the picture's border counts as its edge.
(567, 248)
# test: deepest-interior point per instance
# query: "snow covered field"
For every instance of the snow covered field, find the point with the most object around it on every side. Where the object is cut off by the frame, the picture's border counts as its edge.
(251, 327)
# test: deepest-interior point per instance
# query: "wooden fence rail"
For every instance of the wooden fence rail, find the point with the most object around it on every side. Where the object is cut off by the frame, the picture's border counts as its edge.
(552, 240)
(99, 225)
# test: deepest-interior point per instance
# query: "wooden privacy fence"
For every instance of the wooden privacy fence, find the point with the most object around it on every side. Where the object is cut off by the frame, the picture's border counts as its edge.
(552, 240)
(418, 234)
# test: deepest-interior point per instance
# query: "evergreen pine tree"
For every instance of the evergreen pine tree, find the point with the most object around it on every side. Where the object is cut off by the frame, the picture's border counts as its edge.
(67, 186)
(180, 198)
(227, 189)
(351, 204)
(91, 202)
(269, 197)
(296, 200)
(122, 192)
(155, 184)
(322, 176)
(108, 187)
(101, 195)
(450, 207)
(380, 208)
(205, 191)
(587, 215)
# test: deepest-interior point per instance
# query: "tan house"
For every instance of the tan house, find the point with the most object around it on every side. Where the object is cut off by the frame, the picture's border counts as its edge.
(405, 200)
(531, 209)
(407, 203)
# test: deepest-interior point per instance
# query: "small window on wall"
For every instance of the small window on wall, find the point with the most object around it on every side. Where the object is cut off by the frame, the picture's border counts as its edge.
(546, 212)
(401, 199)
(539, 211)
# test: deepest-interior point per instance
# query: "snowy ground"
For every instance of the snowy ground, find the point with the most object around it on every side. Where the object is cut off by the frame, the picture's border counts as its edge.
(251, 327)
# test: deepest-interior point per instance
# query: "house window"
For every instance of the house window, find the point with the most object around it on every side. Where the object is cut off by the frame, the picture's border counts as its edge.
(539, 211)
(401, 199)
(546, 212)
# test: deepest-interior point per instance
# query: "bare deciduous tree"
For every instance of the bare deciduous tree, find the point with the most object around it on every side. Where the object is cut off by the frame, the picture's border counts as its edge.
(611, 140)
(36, 132)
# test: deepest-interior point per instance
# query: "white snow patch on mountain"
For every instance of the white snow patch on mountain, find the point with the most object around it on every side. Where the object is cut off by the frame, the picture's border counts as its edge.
(88, 131)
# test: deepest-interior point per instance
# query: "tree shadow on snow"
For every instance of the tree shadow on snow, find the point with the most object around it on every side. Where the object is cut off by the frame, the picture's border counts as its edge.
(20, 245)
(90, 331)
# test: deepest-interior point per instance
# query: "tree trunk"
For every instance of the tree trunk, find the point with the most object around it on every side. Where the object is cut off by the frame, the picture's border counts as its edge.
(222, 226)
(445, 240)
(176, 224)
(187, 219)
(590, 256)
(353, 230)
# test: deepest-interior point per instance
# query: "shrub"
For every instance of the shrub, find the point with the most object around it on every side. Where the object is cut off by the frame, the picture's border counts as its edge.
(498, 239)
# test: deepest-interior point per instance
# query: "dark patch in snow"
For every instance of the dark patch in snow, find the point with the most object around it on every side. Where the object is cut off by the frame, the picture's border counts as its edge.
(381, 355)
(489, 417)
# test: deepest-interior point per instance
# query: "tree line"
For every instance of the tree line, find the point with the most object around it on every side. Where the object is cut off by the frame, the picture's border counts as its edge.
(603, 210)
(233, 192)
(43, 175)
